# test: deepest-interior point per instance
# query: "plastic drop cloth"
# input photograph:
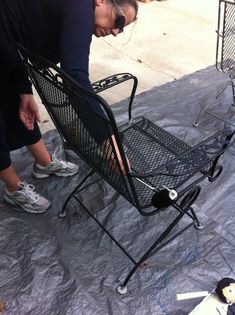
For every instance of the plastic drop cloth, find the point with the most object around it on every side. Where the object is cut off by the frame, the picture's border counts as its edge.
(52, 266)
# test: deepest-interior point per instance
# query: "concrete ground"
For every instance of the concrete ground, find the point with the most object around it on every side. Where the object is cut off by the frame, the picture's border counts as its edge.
(170, 39)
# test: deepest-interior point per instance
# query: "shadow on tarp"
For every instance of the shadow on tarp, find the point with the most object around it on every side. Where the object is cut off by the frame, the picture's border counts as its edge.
(68, 266)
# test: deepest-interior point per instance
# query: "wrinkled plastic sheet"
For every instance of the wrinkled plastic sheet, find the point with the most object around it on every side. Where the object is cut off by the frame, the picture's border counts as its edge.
(69, 266)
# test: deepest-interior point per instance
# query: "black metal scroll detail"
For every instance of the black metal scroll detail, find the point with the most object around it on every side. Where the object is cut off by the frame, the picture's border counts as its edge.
(192, 160)
(108, 82)
(42, 70)
(54, 77)
(196, 158)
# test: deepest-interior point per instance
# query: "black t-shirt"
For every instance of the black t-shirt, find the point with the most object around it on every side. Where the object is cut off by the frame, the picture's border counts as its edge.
(60, 30)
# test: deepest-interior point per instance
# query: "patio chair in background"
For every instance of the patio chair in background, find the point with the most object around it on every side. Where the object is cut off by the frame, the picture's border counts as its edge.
(164, 172)
(225, 54)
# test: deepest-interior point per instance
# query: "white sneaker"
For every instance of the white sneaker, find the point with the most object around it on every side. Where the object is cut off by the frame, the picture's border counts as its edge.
(26, 198)
(57, 167)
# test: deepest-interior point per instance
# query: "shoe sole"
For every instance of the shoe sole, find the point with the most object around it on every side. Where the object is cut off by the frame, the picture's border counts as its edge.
(37, 175)
(8, 200)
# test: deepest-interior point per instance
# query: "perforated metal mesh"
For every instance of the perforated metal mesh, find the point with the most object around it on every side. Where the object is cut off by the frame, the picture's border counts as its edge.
(171, 161)
(88, 133)
(149, 148)
(153, 152)
(226, 37)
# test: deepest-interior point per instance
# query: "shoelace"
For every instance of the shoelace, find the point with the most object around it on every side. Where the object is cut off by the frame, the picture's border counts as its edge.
(56, 156)
(28, 190)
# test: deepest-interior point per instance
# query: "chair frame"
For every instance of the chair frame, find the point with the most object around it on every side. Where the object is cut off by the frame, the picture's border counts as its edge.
(225, 54)
(199, 162)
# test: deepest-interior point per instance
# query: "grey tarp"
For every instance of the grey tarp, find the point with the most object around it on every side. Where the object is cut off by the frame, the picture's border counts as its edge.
(52, 266)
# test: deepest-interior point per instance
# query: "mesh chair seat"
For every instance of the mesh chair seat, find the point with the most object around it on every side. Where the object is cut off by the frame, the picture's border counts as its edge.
(161, 159)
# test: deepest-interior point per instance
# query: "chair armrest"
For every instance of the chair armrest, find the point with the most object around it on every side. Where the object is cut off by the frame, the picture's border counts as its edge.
(116, 79)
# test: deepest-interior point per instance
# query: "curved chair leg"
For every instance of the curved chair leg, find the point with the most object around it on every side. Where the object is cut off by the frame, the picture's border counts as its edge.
(197, 224)
(122, 288)
(198, 118)
(204, 110)
(233, 90)
(186, 203)
(63, 213)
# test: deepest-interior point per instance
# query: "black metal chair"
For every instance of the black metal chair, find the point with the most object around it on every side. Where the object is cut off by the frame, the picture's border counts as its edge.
(165, 172)
(225, 55)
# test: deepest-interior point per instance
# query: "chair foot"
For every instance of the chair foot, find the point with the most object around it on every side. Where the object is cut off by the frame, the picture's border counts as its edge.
(62, 214)
(198, 225)
(121, 289)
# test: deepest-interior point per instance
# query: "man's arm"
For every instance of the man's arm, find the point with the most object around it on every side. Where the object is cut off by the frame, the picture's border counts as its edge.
(76, 34)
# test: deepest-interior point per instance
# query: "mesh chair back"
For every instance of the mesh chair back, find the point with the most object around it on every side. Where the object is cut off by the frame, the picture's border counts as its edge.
(83, 119)
(225, 51)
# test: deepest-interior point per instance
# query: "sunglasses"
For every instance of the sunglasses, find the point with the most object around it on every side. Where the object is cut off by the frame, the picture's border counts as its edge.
(120, 20)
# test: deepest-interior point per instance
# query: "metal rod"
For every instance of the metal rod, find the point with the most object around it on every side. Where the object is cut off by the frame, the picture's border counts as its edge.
(158, 241)
(63, 211)
(106, 231)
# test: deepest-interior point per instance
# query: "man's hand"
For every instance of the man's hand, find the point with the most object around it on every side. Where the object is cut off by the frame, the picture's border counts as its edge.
(28, 111)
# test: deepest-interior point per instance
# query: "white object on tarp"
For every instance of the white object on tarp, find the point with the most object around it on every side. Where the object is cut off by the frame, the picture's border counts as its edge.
(191, 295)
(210, 305)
